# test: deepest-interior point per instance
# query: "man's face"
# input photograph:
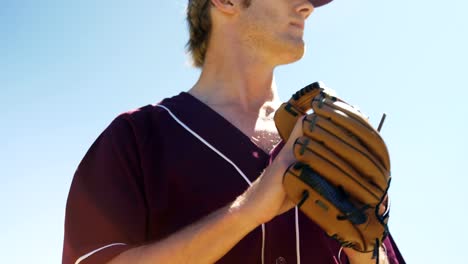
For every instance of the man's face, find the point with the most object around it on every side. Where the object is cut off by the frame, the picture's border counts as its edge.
(275, 28)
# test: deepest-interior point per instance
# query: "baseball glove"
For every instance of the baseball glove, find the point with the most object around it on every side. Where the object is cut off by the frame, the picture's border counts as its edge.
(342, 173)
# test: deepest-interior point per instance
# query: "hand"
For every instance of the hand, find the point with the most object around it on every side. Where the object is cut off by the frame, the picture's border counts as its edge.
(266, 198)
(358, 257)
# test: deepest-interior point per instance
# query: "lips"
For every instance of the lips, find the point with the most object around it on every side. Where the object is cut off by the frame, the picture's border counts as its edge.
(298, 25)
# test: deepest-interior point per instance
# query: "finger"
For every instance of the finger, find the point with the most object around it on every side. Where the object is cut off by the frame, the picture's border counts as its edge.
(288, 113)
(286, 155)
(297, 131)
(347, 148)
(336, 171)
(383, 206)
(350, 119)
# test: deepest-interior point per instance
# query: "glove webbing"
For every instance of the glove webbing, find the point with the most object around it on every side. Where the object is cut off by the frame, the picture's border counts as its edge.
(335, 195)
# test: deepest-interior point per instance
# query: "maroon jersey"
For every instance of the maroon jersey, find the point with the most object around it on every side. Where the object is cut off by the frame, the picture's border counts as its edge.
(162, 167)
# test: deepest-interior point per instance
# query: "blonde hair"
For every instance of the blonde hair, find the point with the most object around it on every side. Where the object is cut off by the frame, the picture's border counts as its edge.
(199, 23)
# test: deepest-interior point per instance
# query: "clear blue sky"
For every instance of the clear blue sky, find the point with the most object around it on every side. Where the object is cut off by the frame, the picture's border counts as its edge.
(67, 68)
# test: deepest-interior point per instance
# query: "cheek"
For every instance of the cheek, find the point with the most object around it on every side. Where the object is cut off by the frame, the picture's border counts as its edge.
(266, 16)
(265, 25)
(274, 18)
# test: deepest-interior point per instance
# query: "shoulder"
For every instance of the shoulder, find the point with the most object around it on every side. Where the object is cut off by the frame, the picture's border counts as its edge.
(147, 122)
(148, 116)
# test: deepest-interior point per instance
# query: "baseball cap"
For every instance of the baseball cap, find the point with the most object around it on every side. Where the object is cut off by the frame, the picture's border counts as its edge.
(317, 3)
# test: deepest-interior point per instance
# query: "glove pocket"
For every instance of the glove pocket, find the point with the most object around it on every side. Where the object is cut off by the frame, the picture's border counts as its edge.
(346, 146)
(330, 208)
(337, 171)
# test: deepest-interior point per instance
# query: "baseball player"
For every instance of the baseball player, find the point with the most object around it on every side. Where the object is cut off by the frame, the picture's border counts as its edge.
(198, 177)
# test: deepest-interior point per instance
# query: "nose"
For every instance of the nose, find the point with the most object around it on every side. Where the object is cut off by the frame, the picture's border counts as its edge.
(305, 9)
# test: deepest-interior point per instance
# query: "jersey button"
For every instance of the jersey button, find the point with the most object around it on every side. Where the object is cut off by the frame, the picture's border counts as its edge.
(281, 260)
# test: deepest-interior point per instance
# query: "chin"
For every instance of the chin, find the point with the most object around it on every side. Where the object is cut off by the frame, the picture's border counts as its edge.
(293, 53)
(299, 53)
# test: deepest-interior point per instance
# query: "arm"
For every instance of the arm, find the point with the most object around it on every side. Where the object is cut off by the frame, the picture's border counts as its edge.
(210, 238)
(203, 242)
(108, 226)
(213, 236)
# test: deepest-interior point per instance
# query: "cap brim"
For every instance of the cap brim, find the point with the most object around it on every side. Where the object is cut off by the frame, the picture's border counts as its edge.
(317, 3)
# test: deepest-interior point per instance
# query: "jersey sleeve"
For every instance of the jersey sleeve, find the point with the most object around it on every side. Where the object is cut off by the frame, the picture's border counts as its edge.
(105, 211)
(393, 254)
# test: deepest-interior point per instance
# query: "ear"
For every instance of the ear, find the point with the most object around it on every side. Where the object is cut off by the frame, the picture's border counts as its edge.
(229, 7)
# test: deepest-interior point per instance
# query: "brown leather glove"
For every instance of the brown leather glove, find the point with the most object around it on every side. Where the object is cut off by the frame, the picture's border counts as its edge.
(342, 173)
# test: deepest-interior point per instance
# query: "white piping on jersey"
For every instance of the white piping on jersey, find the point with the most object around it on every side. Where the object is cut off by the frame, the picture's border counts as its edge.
(225, 158)
(206, 143)
(339, 255)
(298, 254)
(96, 250)
(298, 243)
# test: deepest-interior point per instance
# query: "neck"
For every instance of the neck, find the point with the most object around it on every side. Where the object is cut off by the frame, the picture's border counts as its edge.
(237, 79)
